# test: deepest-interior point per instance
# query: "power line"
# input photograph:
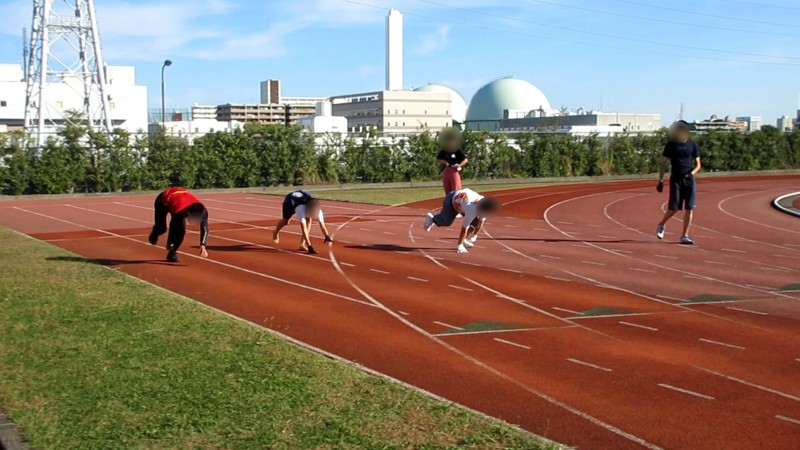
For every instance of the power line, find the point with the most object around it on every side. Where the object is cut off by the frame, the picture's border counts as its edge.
(612, 36)
(673, 22)
(716, 16)
(572, 41)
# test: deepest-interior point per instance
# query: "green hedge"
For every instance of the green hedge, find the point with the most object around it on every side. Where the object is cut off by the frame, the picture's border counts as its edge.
(266, 155)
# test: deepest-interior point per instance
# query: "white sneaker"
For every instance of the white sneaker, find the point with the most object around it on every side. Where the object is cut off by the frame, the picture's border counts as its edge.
(473, 239)
(660, 231)
(468, 244)
(686, 240)
(428, 224)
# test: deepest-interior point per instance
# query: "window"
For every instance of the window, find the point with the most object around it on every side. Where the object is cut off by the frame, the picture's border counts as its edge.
(3, 103)
(59, 105)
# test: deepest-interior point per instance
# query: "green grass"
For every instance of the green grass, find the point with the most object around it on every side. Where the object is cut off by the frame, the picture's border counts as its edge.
(403, 195)
(93, 359)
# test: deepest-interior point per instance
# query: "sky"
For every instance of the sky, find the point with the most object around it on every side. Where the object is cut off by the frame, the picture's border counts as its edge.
(723, 57)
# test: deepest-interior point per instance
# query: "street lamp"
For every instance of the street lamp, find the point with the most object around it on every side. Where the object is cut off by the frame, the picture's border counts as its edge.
(167, 63)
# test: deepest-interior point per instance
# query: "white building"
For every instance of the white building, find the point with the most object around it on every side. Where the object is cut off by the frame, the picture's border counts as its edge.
(324, 121)
(403, 112)
(204, 112)
(785, 123)
(192, 129)
(127, 106)
(753, 123)
(394, 50)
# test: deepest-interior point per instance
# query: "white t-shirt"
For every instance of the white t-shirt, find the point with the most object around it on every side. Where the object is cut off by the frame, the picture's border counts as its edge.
(465, 202)
(300, 212)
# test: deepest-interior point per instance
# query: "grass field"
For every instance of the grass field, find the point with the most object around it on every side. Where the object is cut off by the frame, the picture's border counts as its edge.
(91, 358)
(396, 196)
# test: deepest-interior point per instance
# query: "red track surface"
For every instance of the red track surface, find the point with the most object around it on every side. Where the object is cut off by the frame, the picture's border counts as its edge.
(652, 370)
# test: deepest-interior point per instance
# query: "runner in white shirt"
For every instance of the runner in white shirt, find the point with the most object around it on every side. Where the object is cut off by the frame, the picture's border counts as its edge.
(474, 207)
(302, 204)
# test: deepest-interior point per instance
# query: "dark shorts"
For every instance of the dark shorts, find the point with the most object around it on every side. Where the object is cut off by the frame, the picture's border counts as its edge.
(288, 208)
(682, 193)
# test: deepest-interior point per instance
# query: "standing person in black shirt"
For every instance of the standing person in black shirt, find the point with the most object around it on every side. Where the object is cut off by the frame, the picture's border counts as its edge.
(453, 158)
(683, 156)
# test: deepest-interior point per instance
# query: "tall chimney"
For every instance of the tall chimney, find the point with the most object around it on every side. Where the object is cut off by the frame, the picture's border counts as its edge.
(394, 50)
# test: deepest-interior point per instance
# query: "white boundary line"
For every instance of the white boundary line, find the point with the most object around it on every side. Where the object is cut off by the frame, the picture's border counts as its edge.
(685, 391)
(722, 344)
(594, 366)
(511, 343)
(787, 419)
(752, 385)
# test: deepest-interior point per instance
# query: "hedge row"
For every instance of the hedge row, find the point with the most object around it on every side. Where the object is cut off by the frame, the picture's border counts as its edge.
(264, 155)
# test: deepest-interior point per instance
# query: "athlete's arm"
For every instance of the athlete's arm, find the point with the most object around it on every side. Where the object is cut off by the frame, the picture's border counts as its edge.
(324, 228)
(697, 166)
(204, 234)
(463, 163)
(662, 169)
(305, 227)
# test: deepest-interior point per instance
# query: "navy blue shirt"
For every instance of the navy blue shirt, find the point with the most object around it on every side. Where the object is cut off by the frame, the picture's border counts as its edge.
(681, 157)
(298, 198)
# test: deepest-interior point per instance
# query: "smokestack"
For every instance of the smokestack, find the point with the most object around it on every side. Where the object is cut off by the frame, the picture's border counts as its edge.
(394, 50)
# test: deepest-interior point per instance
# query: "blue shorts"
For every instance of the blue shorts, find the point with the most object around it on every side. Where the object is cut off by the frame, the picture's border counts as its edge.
(288, 208)
(682, 193)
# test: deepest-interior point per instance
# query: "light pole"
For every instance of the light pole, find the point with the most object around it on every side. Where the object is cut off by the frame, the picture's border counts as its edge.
(167, 63)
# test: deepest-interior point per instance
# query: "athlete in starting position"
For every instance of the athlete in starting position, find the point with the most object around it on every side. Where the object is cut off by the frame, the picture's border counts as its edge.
(683, 156)
(474, 207)
(182, 207)
(306, 207)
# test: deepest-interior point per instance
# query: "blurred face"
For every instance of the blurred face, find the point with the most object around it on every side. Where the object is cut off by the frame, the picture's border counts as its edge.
(312, 210)
(452, 144)
(195, 218)
(680, 134)
(488, 208)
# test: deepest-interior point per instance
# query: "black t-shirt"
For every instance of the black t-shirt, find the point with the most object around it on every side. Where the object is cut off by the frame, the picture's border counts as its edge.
(298, 198)
(456, 157)
(681, 157)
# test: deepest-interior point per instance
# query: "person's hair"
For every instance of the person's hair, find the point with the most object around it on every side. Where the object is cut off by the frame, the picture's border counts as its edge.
(197, 210)
(313, 204)
(681, 125)
(488, 205)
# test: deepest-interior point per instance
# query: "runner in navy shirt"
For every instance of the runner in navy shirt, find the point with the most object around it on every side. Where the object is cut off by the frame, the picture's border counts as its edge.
(306, 207)
(683, 156)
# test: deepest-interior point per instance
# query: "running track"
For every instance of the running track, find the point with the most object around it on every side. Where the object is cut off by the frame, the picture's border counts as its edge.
(569, 318)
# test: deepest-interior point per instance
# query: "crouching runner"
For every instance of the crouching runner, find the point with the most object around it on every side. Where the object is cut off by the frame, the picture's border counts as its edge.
(474, 207)
(305, 206)
(182, 207)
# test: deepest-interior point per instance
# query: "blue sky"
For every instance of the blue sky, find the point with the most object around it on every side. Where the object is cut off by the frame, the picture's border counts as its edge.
(725, 57)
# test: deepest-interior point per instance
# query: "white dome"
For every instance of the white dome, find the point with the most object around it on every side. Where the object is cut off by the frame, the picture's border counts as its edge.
(506, 93)
(459, 111)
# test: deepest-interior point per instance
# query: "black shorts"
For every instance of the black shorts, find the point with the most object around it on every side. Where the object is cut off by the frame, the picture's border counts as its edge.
(682, 194)
(288, 208)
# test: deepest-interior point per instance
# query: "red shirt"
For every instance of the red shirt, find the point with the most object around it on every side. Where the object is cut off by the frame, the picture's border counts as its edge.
(178, 199)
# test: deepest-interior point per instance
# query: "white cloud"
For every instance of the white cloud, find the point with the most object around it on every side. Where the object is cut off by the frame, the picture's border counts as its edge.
(434, 42)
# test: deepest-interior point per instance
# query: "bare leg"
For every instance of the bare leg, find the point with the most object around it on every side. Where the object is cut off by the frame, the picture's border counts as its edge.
(303, 244)
(667, 215)
(278, 227)
(687, 221)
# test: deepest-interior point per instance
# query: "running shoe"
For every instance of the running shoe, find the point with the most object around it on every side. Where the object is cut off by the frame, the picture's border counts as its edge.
(473, 239)
(468, 244)
(660, 231)
(686, 240)
(428, 224)
(152, 238)
(173, 257)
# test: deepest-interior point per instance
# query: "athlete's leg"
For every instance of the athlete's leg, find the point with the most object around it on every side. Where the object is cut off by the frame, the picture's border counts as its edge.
(287, 211)
(160, 220)
(448, 213)
(177, 231)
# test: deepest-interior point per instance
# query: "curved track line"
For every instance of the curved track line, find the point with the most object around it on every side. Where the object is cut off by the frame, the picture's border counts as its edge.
(776, 203)
(719, 206)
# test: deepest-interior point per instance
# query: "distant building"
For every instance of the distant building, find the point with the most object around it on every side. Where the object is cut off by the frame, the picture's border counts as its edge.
(127, 101)
(192, 129)
(203, 112)
(785, 123)
(752, 123)
(259, 112)
(797, 121)
(715, 123)
(578, 123)
(271, 95)
(402, 112)
(323, 121)
(394, 50)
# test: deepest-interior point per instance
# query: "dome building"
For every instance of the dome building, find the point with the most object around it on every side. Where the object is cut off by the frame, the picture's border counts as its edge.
(492, 100)
(459, 111)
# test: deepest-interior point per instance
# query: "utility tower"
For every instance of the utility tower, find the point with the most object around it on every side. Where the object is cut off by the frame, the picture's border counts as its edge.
(64, 59)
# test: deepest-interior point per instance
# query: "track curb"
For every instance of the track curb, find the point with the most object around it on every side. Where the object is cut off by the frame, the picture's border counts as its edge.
(778, 204)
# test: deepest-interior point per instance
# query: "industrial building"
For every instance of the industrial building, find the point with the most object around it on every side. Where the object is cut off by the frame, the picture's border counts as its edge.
(727, 123)
(127, 101)
(403, 112)
(751, 123)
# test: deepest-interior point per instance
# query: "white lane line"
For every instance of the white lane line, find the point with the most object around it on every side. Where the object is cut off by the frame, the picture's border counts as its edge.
(593, 263)
(541, 229)
(686, 391)
(566, 223)
(630, 324)
(747, 311)
(365, 229)
(787, 256)
(507, 251)
(557, 278)
(459, 287)
(447, 325)
(621, 251)
(389, 233)
(722, 344)
(442, 241)
(549, 256)
(380, 271)
(604, 236)
(670, 298)
(787, 419)
(666, 256)
(566, 310)
(511, 270)
(774, 269)
(512, 226)
(695, 277)
(642, 270)
(512, 343)
(716, 262)
(594, 226)
(418, 279)
(347, 264)
(753, 385)
(470, 263)
(733, 250)
(404, 313)
(584, 363)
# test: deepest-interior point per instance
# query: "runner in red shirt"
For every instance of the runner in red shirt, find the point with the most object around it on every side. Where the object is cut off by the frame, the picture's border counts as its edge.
(182, 207)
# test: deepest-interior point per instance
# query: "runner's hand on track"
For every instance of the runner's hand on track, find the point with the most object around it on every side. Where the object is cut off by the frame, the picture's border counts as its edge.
(203, 251)
(660, 186)
(328, 239)
(311, 250)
